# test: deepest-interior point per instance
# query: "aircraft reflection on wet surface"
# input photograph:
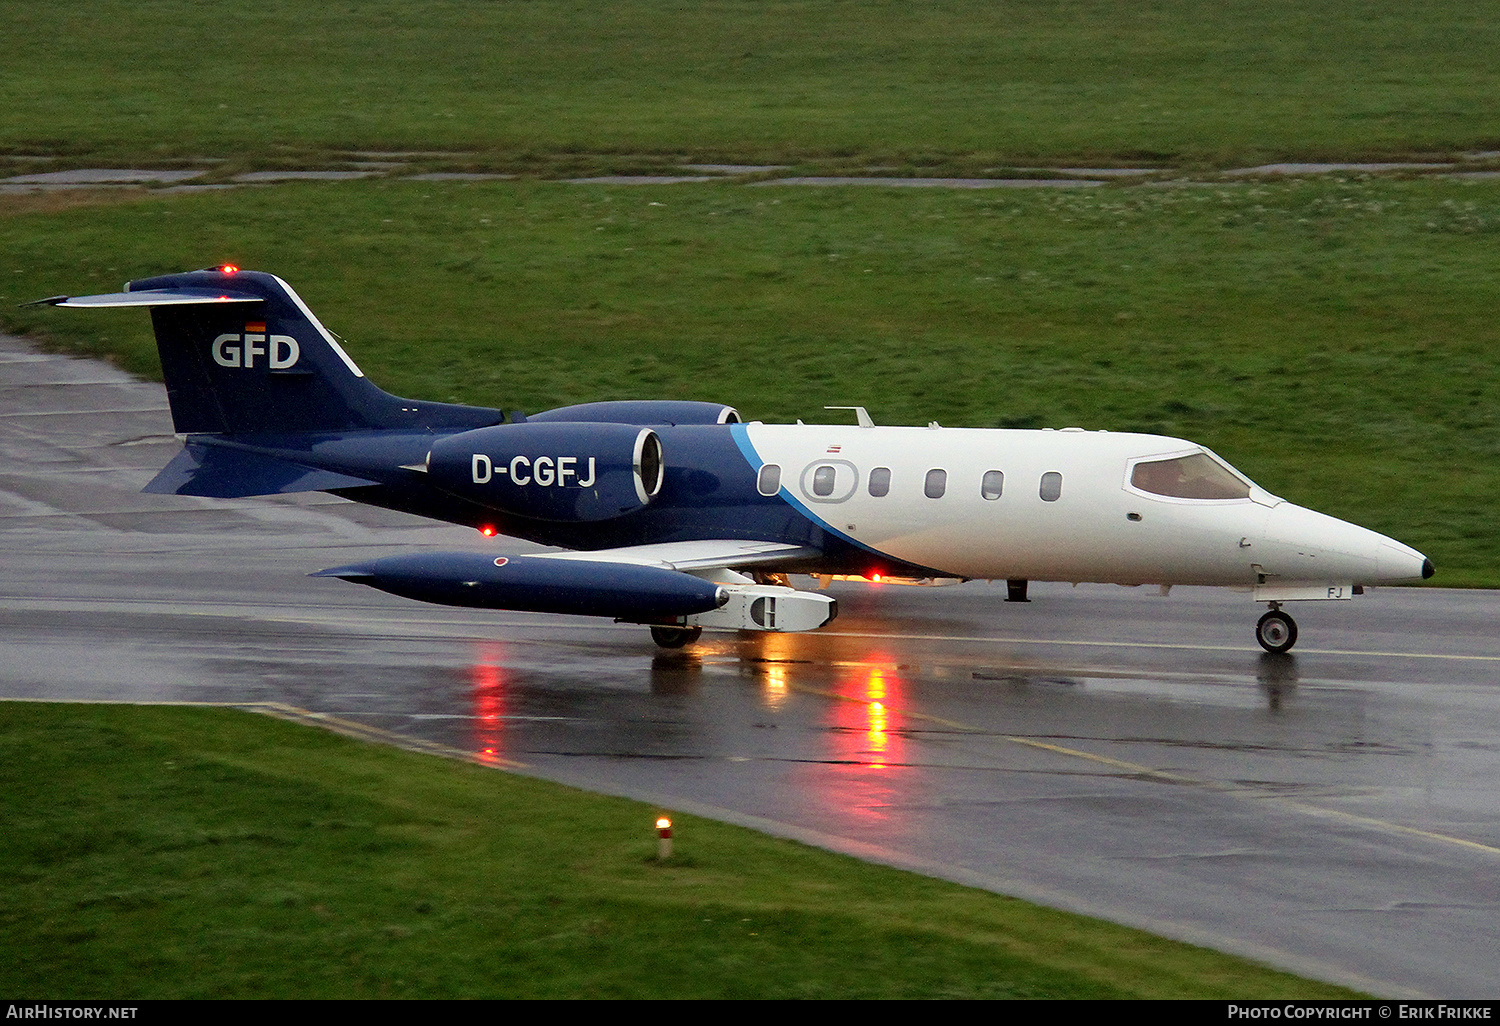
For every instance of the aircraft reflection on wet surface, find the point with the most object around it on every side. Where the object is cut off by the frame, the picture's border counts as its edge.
(865, 720)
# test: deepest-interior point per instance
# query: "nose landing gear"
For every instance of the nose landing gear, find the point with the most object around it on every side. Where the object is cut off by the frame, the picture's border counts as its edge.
(675, 637)
(1276, 631)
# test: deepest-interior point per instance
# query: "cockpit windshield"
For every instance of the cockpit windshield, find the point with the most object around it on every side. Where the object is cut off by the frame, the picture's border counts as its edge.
(1198, 476)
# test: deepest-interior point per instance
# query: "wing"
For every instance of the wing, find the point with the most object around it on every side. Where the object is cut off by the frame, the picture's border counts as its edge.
(689, 584)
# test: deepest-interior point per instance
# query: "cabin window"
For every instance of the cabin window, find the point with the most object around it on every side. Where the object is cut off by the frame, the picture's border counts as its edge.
(936, 484)
(1198, 476)
(992, 485)
(822, 482)
(769, 482)
(829, 481)
(1051, 489)
(880, 481)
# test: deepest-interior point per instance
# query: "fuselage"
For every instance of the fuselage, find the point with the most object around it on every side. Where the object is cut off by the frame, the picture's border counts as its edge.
(1057, 505)
(1066, 505)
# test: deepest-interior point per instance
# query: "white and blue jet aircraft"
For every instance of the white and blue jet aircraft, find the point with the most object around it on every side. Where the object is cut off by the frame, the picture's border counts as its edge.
(678, 516)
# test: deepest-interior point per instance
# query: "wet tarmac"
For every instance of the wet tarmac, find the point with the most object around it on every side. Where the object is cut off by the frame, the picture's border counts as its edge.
(397, 164)
(1106, 750)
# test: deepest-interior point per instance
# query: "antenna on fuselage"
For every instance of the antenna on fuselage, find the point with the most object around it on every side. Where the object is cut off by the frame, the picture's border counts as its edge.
(861, 415)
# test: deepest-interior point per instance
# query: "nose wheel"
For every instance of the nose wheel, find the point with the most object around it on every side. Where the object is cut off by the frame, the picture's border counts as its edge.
(675, 637)
(1276, 631)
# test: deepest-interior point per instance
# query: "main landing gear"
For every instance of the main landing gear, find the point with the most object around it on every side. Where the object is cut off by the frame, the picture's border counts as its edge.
(675, 637)
(1276, 631)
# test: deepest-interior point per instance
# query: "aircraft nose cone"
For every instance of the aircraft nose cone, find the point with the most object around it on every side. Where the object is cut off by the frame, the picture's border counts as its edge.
(1402, 563)
(1306, 545)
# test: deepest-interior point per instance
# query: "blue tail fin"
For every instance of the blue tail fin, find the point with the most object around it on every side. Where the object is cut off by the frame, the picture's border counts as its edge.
(242, 354)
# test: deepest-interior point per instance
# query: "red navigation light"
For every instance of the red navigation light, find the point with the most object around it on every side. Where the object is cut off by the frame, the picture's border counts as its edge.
(875, 578)
(228, 269)
(488, 531)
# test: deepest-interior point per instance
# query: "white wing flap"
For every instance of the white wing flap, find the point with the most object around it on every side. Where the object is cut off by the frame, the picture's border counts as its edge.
(710, 554)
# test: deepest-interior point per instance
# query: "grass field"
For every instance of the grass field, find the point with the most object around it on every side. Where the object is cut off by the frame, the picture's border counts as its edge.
(1333, 339)
(191, 853)
(947, 83)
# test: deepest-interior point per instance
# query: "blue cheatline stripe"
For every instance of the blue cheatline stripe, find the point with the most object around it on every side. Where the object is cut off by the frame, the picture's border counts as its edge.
(741, 435)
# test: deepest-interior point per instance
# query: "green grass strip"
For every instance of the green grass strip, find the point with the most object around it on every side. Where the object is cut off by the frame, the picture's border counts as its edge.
(887, 81)
(158, 852)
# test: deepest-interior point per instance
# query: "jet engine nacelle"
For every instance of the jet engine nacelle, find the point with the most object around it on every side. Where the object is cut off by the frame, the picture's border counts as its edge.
(572, 472)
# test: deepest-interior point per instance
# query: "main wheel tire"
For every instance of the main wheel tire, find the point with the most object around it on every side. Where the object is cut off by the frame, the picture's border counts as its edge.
(1276, 631)
(675, 637)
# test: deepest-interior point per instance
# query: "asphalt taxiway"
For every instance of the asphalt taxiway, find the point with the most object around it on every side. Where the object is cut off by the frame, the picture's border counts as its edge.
(1106, 750)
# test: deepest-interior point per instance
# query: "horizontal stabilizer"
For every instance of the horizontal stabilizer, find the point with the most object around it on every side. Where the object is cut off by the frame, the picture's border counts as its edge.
(222, 473)
(152, 297)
